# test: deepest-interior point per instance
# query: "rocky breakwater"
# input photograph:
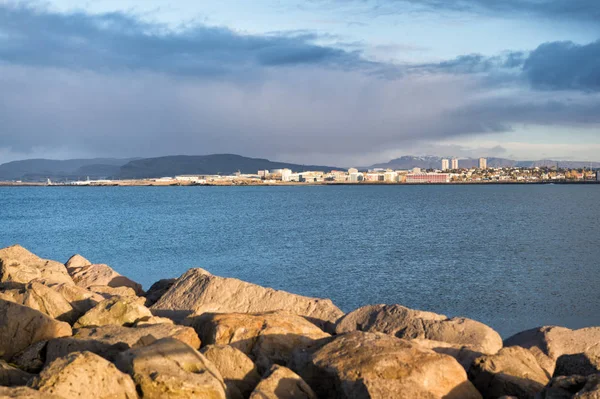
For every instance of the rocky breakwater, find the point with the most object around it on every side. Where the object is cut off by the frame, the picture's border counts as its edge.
(82, 330)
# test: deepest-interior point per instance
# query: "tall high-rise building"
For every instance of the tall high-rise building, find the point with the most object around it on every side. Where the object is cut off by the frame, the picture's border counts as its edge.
(445, 164)
(454, 163)
(482, 163)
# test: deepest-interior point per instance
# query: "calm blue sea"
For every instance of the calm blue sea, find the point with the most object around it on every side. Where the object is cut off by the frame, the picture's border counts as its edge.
(513, 257)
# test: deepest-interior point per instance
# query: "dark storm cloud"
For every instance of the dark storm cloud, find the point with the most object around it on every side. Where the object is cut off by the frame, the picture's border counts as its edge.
(564, 66)
(35, 37)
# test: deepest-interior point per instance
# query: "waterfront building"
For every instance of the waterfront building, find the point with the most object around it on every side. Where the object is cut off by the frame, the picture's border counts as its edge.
(482, 163)
(454, 163)
(428, 178)
(352, 170)
(415, 170)
(286, 174)
(390, 176)
(445, 164)
(355, 177)
(263, 173)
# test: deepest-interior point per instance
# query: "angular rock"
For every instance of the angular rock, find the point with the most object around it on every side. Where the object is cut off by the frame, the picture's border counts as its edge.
(61, 347)
(21, 326)
(121, 311)
(513, 371)
(238, 371)
(108, 292)
(282, 383)
(25, 393)
(373, 365)
(76, 262)
(80, 299)
(11, 376)
(197, 291)
(170, 368)
(89, 276)
(152, 320)
(586, 363)
(21, 266)
(32, 358)
(112, 334)
(39, 297)
(84, 375)
(464, 354)
(265, 337)
(575, 386)
(407, 323)
(157, 290)
(549, 343)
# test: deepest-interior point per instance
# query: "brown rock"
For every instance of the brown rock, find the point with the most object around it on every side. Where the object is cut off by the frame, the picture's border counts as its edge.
(157, 290)
(89, 276)
(265, 337)
(238, 371)
(282, 383)
(112, 334)
(21, 266)
(108, 292)
(170, 368)
(80, 299)
(39, 297)
(407, 323)
(84, 375)
(25, 393)
(575, 386)
(549, 343)
(76, 262)
(464, 354)
(197, 291)
(21, 326)
(11, 376)
(152, 320)
(61, 347)
(586, 363)
(121, 311)
(512, 371)
(373, 365)
(32, 358)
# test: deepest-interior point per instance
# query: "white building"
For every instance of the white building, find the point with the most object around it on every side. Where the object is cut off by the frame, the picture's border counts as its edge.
(352, 170)
(355, 177)
(454, 163)
(286, 174)
(482, 163)
(445, 164)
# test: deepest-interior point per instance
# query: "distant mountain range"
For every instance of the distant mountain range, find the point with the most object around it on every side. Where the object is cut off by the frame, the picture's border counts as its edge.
(138, 168)
(433, 162)
(225, 164)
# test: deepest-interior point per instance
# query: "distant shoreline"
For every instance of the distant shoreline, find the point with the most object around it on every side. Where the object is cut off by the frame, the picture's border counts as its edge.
(295, 184)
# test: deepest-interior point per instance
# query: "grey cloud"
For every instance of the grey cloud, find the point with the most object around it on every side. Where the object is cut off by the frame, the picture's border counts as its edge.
(37, 37)
(564, 66)
(578, 10)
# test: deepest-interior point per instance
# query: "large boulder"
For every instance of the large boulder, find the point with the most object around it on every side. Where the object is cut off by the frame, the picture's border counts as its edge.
(549, 343)
(80, 299)
(121, 311)
(373, 365)
(11, 376)
(76, 262)
(265, 337)
(32, 358)
(575, 386)
(282, 383)
(170, 368)
(113, 334)
(25, 393)
(464, 354)
(39, 297)
(21, 266)
(157, 290)
(91, 275)
(238, 371)
(21, 326)
(197, 291)
(407, 323)
(586, 363)
(84, 375)
(513, 371)
(108, 292)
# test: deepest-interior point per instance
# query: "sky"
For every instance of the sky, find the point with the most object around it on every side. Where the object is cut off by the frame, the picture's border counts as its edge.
(344, 82)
